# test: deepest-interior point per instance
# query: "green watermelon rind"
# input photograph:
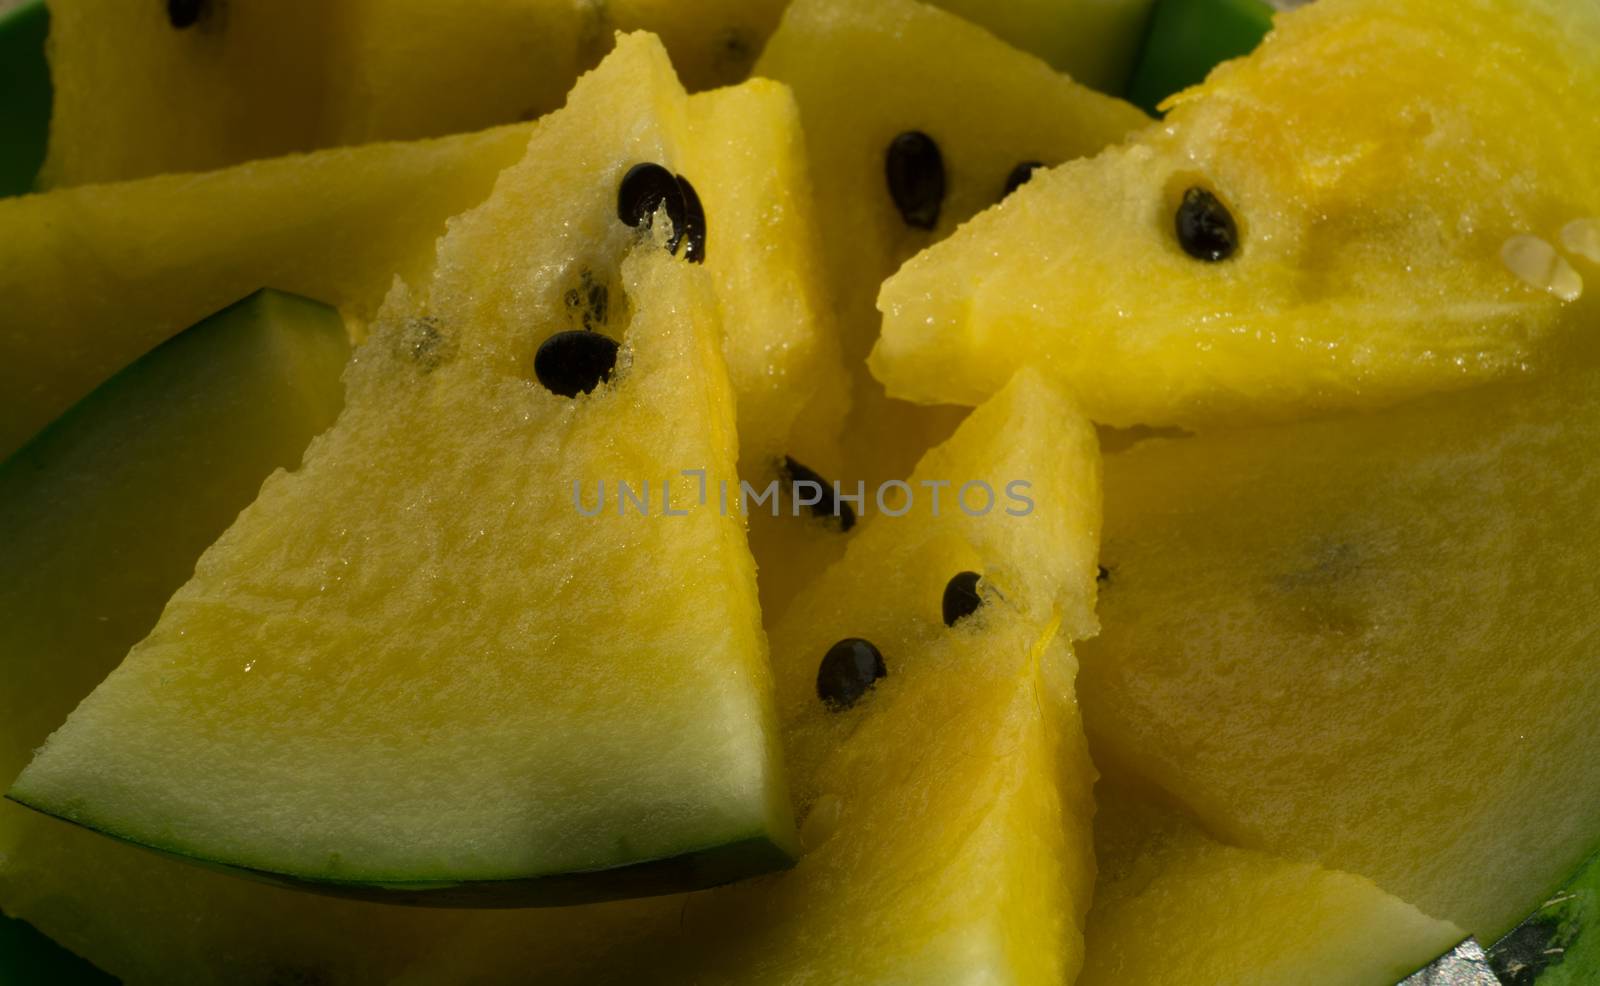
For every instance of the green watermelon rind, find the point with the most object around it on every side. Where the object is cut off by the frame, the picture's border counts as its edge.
(1558, 944)
(694, 868)
(25, 96)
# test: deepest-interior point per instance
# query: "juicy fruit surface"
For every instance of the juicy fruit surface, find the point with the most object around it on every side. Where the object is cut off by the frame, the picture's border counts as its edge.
(135, 96)
(258, 78)
(1173, 906)
(747, 161)
(1367, 640)
(865, 73)
(348, 686)
(88, 508)
(1377, 157)
(95, 277)
(957, 788)
(957, 853)
(91, 513)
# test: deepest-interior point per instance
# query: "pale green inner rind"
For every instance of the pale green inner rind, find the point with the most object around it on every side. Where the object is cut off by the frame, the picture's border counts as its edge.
(412, 659)
(696, 867)
(107, 508)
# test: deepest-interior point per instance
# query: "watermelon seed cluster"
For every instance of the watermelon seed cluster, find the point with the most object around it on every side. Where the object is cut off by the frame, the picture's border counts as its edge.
(848, 671)
(1206, 229)
(648, 187)
(914, 168)
(961, 597)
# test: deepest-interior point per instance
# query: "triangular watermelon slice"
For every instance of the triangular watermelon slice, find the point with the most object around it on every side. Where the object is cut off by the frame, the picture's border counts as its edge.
(415, 667)
(947, 803)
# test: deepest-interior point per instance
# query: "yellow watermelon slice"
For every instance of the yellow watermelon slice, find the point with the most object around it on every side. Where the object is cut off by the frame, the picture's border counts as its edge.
(915, 120)
(947, 804)
(1173, 907)
(382, 678)
(1369, 207)
(1369, 640)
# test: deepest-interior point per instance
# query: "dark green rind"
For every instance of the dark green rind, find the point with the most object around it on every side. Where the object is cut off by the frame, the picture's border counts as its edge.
(28, 958)
(1186, 39)
(698, 868)
(25, 96)
(1559, 944)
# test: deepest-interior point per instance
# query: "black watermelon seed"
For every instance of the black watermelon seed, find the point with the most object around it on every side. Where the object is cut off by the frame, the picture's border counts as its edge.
(185, 13)
(575, 362)
(848, 671)
(1020, 174)
(643, 190)
(961, 597)
(830, 507)
(915, 170)
(1205, 227)
(1103, 575)
(694, 223)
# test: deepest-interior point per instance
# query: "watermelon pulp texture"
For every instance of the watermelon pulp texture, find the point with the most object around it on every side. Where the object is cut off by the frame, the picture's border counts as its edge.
(953, 854)
(1365, 640)
(89, 506)
(98, 275)
(445, 379)
(866, 73)
(1173, 907)
(1390, 236)
(94, 277)
(138, 93)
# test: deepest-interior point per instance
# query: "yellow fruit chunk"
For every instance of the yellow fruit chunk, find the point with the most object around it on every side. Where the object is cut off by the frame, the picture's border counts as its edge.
(952, 802)
(139, 93)
(136, 95)
(1369, 640)
(747, 161)
(1174, 908)
(97, 532)
(867, 73)
(1374, 157)
(947, 812)
(92, 278)
(414, 665)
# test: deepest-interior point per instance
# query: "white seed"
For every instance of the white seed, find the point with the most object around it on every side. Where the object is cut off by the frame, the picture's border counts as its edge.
(1537, 264)
(1582, 237)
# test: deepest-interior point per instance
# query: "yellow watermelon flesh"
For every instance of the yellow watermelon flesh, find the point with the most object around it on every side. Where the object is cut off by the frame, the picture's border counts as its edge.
(866, 73)
(136, 94)
(95, 277)
(1173, 907)
(1399, 176)
(95, 535)
(1367, 640)
(948, 812)
(402, 619)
